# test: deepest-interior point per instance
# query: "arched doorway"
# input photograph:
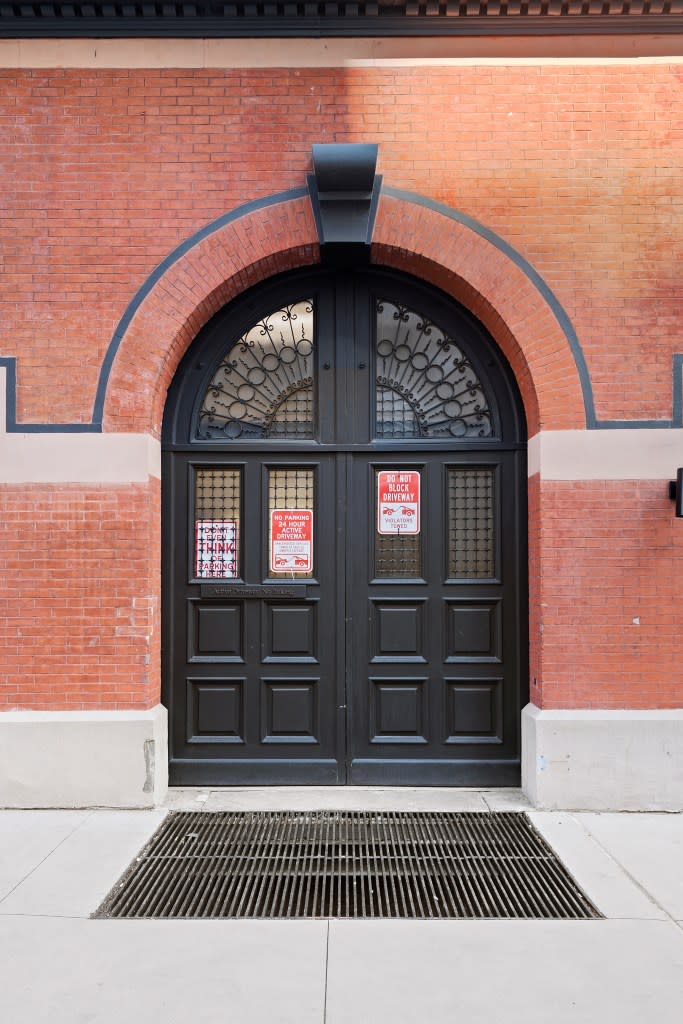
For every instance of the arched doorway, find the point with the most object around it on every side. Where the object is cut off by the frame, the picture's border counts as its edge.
(344, 544)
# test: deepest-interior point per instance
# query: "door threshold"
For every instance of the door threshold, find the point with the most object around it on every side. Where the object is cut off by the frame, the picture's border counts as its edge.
(345, 798)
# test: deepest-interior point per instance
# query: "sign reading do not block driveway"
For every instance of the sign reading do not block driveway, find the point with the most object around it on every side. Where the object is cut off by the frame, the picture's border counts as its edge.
(398, 501)
(291, 540)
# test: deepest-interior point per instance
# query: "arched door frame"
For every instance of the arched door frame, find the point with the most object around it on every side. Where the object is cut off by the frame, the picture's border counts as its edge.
(505, 448)
(276, 234)
(412, 233)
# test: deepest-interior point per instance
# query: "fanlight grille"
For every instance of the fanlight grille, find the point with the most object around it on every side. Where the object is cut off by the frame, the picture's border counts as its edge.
(426, 385)
(263, 387)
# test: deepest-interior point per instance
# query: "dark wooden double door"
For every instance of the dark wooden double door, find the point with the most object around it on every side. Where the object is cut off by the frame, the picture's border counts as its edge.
(308, 640)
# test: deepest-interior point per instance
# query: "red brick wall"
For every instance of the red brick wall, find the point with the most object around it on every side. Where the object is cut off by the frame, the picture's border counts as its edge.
(104, 172)
(79, 606)
(79, 610)
(611, 553)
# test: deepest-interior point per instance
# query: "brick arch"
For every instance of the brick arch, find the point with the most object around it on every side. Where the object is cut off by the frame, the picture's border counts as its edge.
(226, 258)
(261, 240)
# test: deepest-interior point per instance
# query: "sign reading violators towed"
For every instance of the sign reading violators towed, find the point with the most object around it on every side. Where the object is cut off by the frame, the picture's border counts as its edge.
(291, 540)
(398, 501)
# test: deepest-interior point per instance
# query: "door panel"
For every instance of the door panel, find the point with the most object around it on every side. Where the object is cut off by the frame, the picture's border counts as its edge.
(257, 674)
(312, 635)
(439, 599)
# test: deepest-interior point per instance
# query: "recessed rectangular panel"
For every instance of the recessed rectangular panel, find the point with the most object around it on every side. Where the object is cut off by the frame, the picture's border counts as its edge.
(215, 632)
(292, 629)
(289, 711)
(398, 630)
(289, 631)
(473, 631)
(474, 710)
(219, 630)
(398, 711)
(215, 711)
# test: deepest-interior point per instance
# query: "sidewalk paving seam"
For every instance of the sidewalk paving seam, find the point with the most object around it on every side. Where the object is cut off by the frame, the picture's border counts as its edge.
(523, 807)
(45, 917)
(327, 968)
(47, 857)
(639, 885)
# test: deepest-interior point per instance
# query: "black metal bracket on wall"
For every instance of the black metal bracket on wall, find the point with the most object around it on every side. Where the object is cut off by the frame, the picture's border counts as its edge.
(344, 191)
(676, 493)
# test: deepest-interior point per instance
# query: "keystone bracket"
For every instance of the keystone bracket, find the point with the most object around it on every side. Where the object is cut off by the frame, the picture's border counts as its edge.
(344, 190)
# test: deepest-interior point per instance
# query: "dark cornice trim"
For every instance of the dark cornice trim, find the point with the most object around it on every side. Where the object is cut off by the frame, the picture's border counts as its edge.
(345, 18)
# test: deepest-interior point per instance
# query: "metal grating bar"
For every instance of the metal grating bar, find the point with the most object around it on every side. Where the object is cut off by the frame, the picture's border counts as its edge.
(347, 864)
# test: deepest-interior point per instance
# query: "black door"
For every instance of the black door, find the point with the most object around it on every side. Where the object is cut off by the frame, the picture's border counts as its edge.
(344, 541)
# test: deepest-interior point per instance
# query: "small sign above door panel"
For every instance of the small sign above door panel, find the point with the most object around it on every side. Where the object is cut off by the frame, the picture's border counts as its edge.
(291, 540)
(216, 549)
(398, 501)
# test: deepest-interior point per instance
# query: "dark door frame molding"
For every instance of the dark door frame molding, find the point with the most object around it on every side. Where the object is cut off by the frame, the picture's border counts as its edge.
(183, 446)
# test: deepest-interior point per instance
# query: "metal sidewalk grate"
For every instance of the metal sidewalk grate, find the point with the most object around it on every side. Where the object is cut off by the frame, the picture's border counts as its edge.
(347, 864)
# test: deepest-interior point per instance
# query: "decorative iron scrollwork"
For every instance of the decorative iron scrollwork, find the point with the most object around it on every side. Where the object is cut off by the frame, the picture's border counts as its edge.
(263, 386)
(426, 386)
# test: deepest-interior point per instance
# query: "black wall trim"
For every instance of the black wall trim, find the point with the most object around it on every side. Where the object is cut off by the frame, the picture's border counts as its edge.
(560, 314)
(146, 287)
(303, 19)
(11, 425)
(95, 425)
(516, 257)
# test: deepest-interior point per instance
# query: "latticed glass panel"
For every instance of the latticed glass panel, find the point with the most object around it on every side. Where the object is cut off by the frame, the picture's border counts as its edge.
(471, 523)
(264, 384)
(426, 386)
(290, 538)
(217, 513)
(397, 555)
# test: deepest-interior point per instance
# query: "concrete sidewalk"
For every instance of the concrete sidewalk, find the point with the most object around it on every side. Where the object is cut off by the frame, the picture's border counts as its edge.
(58, 966)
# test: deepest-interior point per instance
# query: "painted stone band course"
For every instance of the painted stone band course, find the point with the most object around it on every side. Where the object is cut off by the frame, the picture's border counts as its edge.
(83, 758)
(603, 760)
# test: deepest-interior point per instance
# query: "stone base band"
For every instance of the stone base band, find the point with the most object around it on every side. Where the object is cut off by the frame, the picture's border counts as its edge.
(83, 758)
(603, 760)
(571, 759)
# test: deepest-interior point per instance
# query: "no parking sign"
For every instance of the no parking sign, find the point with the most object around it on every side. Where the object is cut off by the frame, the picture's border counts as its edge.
(398, 501)
(291, 540)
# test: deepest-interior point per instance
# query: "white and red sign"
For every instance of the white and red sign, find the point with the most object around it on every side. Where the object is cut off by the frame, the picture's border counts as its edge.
(291, 540)
(398, 501)
(216, 548)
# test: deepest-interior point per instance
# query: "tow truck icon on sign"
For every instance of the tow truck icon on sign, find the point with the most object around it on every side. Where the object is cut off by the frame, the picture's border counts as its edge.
(292, 561)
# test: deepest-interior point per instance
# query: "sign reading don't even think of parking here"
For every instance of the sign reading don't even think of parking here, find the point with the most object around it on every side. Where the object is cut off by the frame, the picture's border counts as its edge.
(291, 540)
(398, 501)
